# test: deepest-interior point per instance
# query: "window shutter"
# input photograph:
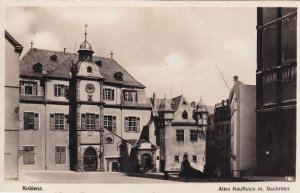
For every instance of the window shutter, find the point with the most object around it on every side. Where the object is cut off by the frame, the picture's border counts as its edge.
(22, 89)
(137, 124)
(63, 155)
(66, 88)
(97, 122)
(36, 121)
(114, 124)
(112, 94)
(66, 124)
(82, 121)
(34, 85)
(26, 121)
(126, 124)
(52, 122)
(57, 156)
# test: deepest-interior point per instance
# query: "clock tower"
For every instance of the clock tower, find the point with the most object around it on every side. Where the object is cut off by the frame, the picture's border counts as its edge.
(86, 111)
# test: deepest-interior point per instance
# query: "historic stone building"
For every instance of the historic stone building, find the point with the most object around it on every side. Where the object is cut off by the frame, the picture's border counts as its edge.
(276, 81)
(242, 102)
(82, 112)
(13, 49)
(222, 137)
(180, 130)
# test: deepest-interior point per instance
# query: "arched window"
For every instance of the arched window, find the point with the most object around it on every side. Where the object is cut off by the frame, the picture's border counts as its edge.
(118, 76)
(99, 63)
(89, 69)
(38, 67)
(184, 115)
(53, 58)
(109, 140)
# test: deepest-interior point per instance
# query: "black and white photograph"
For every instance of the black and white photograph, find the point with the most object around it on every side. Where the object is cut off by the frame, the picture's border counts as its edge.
(181, 93)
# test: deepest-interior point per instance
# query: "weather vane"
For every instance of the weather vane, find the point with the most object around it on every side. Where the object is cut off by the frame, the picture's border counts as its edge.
(85, 34)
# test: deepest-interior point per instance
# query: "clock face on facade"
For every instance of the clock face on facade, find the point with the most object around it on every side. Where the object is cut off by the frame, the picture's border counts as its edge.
(90, 88)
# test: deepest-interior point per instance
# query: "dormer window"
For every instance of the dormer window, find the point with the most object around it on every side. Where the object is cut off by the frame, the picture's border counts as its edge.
(53, 58)
(118, 76)
(89, 69)
(184, 115)
(99, 63)
(38, 67)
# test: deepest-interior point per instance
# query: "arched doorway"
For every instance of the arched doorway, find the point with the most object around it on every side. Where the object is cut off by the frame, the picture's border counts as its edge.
(146, 162)
(90, 159)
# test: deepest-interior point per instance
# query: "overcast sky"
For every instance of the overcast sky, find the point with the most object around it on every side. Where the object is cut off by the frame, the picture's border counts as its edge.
(159, 46)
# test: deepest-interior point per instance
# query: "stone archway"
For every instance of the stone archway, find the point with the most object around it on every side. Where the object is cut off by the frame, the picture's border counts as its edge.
(146, 161)
(90, 160)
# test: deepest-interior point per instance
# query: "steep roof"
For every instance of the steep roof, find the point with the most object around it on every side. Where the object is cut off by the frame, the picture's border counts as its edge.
(61, 67)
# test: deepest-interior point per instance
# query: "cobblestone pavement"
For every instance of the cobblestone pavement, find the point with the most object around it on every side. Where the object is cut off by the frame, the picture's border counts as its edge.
(115, 177)
(89, 177)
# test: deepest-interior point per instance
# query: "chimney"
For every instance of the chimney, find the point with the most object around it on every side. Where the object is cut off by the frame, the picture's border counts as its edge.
(236, 78)
(65, 50)
(154, 111)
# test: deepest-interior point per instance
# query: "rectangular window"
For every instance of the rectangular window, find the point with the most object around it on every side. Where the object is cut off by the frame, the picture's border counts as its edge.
(179, 135)
(60, 155)
(29, 88)
(90, 121)
(108, 94)
(110, 123)
(60, 90)
(194, 135)
(130, 96)
(194, 158)
(176, 158)
(28, 155)
(132, 124)
(31, 120)
(59, 121)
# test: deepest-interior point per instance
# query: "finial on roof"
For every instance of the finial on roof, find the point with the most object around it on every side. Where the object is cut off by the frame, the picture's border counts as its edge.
(111, 54)
(31, 44)
(85, 33)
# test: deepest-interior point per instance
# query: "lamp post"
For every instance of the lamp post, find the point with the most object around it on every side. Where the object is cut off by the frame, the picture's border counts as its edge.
(19, 154)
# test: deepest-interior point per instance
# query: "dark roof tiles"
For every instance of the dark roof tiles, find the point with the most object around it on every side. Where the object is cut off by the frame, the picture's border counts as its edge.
(62, 67)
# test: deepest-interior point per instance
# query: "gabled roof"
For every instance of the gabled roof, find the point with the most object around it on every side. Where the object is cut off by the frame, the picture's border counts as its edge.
(177, 101)
(62, 67)
(14, 42)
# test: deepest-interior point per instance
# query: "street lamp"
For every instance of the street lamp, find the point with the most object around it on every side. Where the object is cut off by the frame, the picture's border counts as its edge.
(19, 154)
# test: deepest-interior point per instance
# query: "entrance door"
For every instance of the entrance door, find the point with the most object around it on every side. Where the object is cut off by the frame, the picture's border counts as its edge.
(90, 160)
(146, 162)
(115, 166)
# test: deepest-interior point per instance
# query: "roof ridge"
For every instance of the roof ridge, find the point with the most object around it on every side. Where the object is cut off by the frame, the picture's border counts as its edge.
(117, 135)
(62, 52)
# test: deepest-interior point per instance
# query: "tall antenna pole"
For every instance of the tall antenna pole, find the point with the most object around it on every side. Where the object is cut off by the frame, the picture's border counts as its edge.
(222, 76)
(75, 47)
(171, 89)
(181, 87)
